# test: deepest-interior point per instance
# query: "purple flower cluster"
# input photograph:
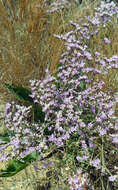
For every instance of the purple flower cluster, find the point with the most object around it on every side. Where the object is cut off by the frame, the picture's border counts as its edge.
(25, 137)
(57, 5)
(112, 178)
(64, 106)
(105, 11)
(67, 98)
(79, 181)
(96, 163)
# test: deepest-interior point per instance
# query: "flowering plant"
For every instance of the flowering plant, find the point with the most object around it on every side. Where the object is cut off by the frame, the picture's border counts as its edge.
(75, 106)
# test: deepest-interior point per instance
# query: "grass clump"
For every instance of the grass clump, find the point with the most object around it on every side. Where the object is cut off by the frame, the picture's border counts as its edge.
(27, 42)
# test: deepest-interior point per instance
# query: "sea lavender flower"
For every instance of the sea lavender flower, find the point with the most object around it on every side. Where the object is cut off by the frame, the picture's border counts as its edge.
(102, 132)
(36, 168)
(112, 178)
(4, 157)
(96, 163)
(7, 108)
(107, 41)
(106, 10)
(93, 109)
(59, 4)
(115, 140)
(47, 164)
(74, 182)
(79, 181)
(81, 159)
(88, 55)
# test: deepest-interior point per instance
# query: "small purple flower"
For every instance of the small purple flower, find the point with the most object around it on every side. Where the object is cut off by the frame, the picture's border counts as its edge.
(115, 140)
(90, 125)
(46, 165)
(96, 163)
(102, 132)
(107, 41)
(99, 120)
(16, 124)
(111, 112)
(15, 142)
(47, 70)
(52, 138)
(22, 155)
(93, 109)
(36, 101)
(97, 53)
(36, 168)
(27, 130)
(79, 158)
(112, 178)
(102, 62)
(4, 158)
(83, 158)
(84, 145)
(88, 55)
(103, 116)
(7, 108)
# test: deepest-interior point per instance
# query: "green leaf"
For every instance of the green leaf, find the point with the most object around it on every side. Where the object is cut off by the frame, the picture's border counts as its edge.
(59, 65)
(13, 168)
(46, 132)
(4, 137)
(20, 92)
(31, 157)
(16, 166)
(82, 85)
(38, 113)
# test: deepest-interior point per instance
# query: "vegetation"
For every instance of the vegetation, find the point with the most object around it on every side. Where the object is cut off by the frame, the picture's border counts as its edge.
(60, 61)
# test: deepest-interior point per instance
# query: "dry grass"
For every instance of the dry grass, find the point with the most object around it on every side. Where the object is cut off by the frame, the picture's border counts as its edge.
(27, 42)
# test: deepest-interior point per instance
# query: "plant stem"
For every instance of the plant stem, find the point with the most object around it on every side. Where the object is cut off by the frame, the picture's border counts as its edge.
(102, 184)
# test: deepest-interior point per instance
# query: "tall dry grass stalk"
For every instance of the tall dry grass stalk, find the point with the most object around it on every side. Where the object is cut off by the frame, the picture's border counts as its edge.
(27, 41)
